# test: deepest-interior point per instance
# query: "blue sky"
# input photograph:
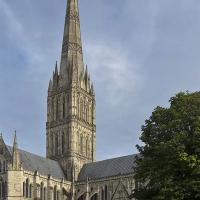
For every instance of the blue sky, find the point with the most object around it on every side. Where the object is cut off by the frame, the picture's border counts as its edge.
(139, 54)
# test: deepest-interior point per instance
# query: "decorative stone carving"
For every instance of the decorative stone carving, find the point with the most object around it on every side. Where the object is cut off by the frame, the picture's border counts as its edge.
(74, 47)
(72, 15)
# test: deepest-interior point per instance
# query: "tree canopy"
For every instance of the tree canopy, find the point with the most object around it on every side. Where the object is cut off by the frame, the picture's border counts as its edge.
(168, 166)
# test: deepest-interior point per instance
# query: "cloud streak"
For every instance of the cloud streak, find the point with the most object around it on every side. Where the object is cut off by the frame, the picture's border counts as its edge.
(110, 68)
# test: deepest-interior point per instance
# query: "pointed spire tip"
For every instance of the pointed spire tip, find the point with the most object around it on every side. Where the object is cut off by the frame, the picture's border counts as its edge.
(15, 138)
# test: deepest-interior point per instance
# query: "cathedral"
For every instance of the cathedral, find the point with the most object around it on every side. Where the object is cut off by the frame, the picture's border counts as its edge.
(70, 170)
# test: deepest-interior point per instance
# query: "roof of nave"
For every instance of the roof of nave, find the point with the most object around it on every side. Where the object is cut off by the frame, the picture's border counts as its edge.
(44, 166)
(107, 168)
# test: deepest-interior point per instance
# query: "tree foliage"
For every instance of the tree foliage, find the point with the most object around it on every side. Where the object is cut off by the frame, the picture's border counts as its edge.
(168, 167)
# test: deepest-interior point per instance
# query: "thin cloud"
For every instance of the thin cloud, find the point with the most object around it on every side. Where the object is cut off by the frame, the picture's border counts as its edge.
(113, 70)
(20, 34)
(14, 26)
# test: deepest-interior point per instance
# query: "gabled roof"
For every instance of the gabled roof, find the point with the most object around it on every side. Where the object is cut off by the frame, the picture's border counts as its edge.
(44, 166)
(107, 168)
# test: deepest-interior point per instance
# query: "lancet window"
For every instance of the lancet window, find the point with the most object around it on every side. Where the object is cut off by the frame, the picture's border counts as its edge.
(63, 143)
(57, 109)
(27, 188)
(86, 147)
(56, 144)
(55, 193)
(63, 109)
(81, 144)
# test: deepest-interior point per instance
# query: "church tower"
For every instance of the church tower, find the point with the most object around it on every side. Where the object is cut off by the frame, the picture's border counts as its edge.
(71, 129)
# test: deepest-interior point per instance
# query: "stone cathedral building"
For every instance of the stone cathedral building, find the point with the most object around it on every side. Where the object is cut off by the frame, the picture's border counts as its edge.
(70, 170)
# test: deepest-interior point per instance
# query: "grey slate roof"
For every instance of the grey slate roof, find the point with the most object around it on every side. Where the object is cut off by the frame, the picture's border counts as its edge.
(44, 166)
(107, 168)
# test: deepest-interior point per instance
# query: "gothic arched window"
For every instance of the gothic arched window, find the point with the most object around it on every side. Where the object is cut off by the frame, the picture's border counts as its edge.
(81, 144)
(41, 191)
(74, 99)
(57, 109)
(81, 109)
(24, 189)
(84, 110)
(86, 147)
(89, 147)
(63, 143)
(55, 193)
(63, 109)
(86, 113)
(27, 188)
(90, 114)
(67, 103)
(68, 139)
(56, 144)
(52, 107)
(52, 145)
(106, 192)
(102, 194)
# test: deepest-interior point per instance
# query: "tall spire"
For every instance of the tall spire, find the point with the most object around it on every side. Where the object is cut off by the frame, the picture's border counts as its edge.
(69, 93)
(15, 145)
(15, 154)
(72, 46)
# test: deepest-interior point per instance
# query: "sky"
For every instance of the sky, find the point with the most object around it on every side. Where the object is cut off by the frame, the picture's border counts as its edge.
(139, 54)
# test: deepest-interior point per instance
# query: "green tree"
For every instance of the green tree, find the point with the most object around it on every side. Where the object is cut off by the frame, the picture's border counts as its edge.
(168, 167)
